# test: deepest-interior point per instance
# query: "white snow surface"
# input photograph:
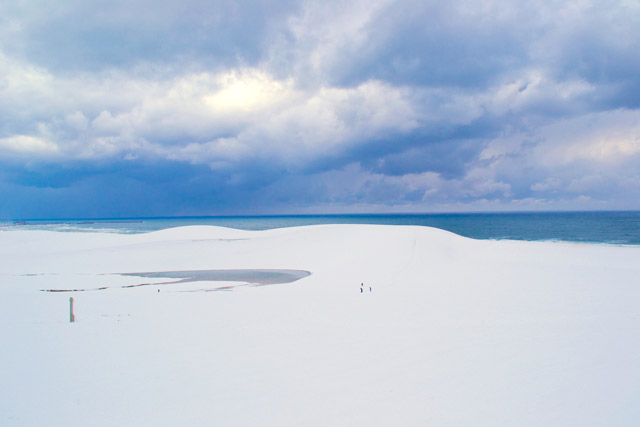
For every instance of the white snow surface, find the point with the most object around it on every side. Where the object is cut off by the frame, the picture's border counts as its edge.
(455, 332)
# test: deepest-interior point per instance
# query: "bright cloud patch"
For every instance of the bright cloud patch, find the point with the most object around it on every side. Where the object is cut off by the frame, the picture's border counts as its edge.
(25, 144)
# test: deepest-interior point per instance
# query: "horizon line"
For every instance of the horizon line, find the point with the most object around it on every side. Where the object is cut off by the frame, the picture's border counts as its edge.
(351, 214)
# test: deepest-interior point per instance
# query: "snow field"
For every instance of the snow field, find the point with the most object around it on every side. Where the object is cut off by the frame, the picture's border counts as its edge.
(456, 331)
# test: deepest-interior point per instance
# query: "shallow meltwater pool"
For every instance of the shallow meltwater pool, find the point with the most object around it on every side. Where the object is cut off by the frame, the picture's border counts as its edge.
(243, 277)
(255, 277)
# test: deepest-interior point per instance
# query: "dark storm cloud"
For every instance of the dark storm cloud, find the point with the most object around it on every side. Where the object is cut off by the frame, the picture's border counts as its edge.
(439, 44)
(97, 35)
(448, 158)
(126, 189)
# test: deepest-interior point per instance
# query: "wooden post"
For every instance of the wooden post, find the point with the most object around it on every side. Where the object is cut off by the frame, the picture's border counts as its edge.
(72, 317)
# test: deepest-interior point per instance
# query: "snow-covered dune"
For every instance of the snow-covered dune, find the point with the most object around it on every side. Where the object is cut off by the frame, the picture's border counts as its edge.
(454, 331)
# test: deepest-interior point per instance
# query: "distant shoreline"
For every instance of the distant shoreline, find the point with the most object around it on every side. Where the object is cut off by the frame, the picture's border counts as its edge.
(596, 227)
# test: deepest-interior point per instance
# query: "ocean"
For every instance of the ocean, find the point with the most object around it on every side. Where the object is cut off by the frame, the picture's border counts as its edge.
(617, 228)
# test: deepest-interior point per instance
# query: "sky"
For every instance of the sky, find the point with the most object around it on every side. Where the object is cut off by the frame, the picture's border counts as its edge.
(160, 108)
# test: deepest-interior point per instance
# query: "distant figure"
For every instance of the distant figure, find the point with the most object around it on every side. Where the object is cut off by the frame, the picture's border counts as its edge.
(369, 288)
(158, 290)
(360, 290)
(361, 287)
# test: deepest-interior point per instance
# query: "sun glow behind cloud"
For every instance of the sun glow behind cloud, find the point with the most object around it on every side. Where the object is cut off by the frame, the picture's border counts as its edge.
(247, 91)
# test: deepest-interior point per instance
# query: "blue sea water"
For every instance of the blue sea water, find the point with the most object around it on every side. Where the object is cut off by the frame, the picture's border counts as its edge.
(621, 228)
